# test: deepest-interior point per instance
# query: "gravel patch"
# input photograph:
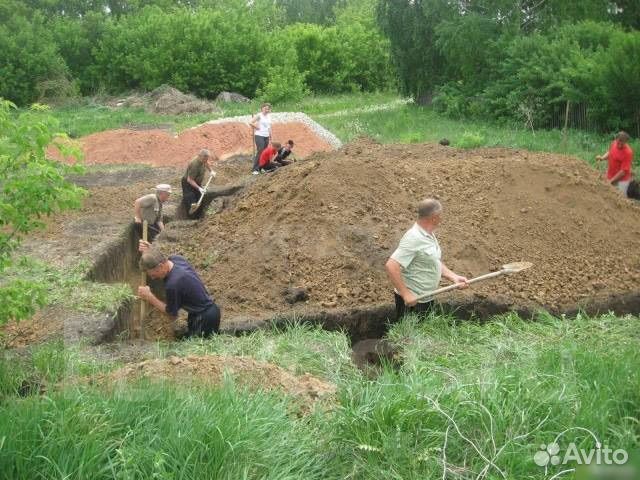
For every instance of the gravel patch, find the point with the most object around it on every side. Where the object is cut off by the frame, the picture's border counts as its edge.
(288, 117)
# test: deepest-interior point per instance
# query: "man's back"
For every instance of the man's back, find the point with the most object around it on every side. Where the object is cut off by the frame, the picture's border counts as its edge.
(184, 288)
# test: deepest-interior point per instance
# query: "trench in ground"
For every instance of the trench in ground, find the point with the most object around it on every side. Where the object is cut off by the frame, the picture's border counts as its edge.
(365, 326)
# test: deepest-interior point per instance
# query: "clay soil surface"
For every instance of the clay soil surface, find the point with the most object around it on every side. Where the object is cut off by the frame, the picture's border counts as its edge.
(161, 148)
(329, 223)
(210, 370)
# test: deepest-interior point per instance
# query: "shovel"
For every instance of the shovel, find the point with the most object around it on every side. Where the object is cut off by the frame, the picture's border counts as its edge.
(143, 282)
(195, 206)
(507, 269)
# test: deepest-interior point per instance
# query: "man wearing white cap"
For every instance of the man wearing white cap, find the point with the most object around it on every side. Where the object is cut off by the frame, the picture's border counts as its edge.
(149, 208)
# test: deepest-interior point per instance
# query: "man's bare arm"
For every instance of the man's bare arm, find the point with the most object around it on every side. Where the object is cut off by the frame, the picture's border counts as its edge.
(394, 272)
(454, 277)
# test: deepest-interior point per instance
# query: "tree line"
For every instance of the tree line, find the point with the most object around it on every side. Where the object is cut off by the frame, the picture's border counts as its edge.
(519, 59)
(254, 48)
(501, 59)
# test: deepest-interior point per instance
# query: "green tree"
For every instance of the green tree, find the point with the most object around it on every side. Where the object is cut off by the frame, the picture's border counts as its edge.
(28, 56)
(203, 51)
(410, 26)
(32, 186)
(621, 78)
(320, 12)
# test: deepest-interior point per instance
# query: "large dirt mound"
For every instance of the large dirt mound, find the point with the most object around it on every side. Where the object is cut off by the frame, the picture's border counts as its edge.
(211, 369)
(329, 223)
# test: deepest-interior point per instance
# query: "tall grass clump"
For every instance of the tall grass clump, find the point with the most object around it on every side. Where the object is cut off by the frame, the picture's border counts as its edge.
(477, 401)
(156, 432)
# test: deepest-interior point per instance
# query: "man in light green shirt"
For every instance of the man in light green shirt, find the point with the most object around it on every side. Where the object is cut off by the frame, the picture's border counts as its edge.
(416, 267)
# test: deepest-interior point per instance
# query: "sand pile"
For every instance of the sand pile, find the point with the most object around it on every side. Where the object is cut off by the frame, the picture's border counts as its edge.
(329, 223)
(211, 369)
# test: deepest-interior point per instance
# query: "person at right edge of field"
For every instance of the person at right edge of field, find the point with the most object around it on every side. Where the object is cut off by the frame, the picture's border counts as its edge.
(261, 124)
(619, 159)
(416, 267)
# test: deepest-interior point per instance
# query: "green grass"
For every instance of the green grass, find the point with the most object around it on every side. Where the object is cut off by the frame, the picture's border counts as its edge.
(483, 396)
(87, 117)
(67, 287)
(414, 124)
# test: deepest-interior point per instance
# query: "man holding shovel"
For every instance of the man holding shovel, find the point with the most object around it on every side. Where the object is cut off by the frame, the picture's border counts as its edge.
(149, 208)
(416, 266)
(193, 180)
(183, 289)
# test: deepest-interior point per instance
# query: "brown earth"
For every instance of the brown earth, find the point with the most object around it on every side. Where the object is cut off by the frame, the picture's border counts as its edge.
(80, 234)
(329, 223)
(160, 148)
(210, 370)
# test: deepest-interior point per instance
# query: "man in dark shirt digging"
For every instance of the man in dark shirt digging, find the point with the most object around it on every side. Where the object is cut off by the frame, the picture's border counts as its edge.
(183, 288)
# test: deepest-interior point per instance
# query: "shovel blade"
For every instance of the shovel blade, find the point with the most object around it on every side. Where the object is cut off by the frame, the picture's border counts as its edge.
(516, 267)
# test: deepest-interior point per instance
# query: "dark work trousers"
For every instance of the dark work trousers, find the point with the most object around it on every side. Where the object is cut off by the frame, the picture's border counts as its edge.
(419, 308)
(204, 323)
(270, 167)
(261, 144)
(152, 230)
(189, 195)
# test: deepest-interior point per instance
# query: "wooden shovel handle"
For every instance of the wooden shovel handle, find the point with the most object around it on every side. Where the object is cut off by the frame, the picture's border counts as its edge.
(457, 285)
(206, 185)
(143, 281)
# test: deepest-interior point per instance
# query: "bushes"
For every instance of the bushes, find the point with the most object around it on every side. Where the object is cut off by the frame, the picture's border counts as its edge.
(227, 45)
(28, 56)
(586, 63)
(203, 52)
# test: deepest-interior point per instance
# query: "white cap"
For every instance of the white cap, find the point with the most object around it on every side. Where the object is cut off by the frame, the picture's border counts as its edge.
(163, 187)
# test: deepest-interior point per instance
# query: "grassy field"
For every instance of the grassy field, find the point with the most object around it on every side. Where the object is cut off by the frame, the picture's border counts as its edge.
(470, 401)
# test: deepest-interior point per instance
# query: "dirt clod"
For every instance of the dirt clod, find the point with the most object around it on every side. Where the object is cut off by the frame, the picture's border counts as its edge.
(293, 295)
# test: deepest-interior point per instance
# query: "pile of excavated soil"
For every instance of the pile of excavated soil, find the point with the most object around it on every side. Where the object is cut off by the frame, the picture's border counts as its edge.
(160, 148)
(166, 100)
(210, 370)
(329, 223)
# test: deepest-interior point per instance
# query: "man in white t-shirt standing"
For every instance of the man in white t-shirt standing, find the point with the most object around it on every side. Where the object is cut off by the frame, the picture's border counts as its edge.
(416, 267)
(261, 124)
